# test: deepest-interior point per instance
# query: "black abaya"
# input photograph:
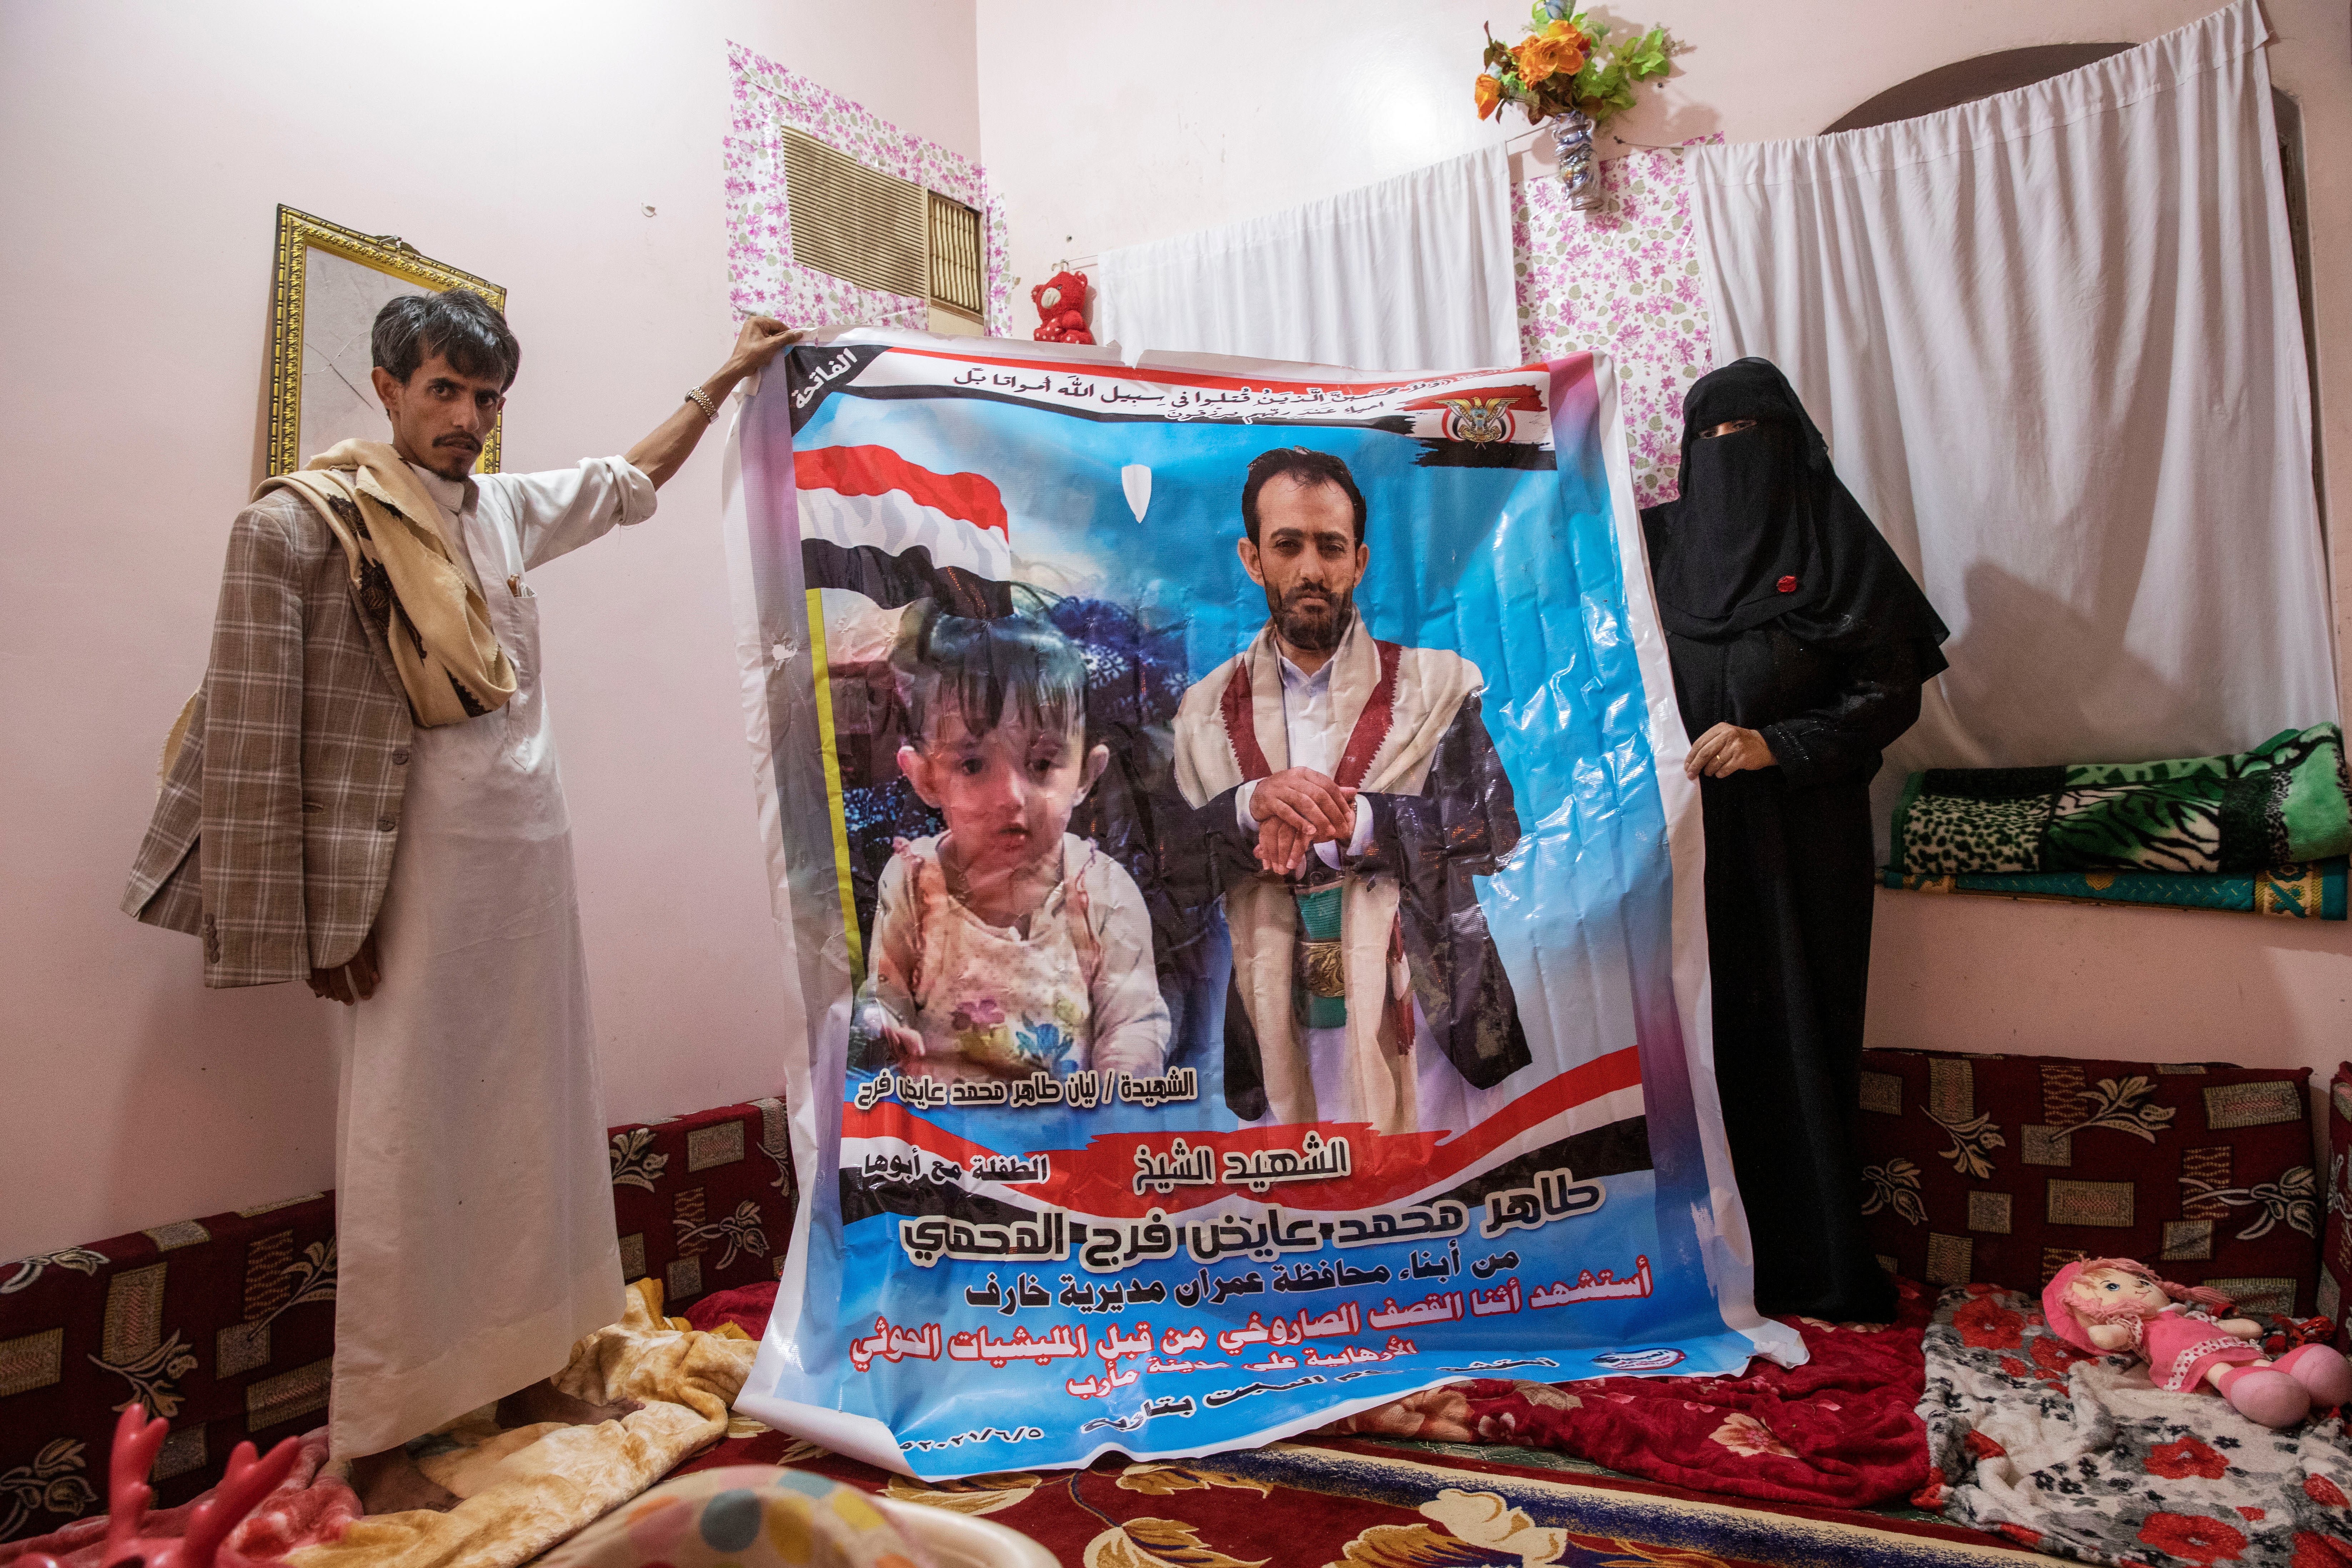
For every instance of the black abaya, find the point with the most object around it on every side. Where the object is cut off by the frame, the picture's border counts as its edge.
(1789, 891)
(1787, 614)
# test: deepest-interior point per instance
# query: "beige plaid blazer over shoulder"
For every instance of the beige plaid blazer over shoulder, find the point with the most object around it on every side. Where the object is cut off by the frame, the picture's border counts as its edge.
(274, 831)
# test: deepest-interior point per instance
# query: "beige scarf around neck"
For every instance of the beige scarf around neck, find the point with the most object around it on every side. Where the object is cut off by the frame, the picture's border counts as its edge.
(448, 658)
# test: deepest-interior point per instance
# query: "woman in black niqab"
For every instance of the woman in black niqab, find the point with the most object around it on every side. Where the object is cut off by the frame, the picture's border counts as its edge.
(1799, 644)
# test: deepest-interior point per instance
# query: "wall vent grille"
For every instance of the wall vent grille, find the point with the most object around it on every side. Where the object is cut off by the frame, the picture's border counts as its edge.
(955, 256)
(861, 226)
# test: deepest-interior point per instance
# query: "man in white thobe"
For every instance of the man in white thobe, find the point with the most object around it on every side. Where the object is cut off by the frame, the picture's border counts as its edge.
(371, 773)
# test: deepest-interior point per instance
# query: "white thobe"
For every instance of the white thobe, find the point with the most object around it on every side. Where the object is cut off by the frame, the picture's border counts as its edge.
(474, 1207)
(1444, 1101)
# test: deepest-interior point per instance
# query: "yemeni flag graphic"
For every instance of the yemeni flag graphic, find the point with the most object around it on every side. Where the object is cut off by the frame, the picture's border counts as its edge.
(875, 522)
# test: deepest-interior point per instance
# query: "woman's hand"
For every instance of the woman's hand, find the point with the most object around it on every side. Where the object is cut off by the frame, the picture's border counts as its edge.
(1726, 750)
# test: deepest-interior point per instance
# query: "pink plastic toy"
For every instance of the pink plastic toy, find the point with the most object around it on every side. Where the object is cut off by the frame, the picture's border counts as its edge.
(246, 1482)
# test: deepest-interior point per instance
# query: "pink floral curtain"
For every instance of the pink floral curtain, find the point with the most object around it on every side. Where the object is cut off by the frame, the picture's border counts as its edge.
(1625, 280)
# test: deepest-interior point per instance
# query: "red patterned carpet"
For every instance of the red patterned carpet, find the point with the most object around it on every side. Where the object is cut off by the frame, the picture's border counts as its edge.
(1809, 1466)
(1360, 1503)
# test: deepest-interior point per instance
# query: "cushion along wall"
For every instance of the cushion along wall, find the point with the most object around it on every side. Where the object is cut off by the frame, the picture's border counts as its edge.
(2001, 1170)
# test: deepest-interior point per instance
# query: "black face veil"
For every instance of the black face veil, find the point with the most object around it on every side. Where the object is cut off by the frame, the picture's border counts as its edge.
(1764, 530)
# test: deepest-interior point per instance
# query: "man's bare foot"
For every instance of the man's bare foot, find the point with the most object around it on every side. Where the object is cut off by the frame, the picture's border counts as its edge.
(390, 1482)
(542, 1400)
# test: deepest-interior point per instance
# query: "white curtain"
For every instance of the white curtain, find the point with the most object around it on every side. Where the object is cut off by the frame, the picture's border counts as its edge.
(1412, 273)
(2052, 337)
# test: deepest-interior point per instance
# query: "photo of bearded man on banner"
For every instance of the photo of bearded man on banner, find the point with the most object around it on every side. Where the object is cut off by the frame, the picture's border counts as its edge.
(1351, 794)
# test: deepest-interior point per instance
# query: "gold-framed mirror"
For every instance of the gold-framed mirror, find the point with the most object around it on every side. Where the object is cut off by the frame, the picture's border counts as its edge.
(331, 282)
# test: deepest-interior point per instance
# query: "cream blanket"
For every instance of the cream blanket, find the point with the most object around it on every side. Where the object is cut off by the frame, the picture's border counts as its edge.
(525, 1490)
(1395, 704)
(449, 659)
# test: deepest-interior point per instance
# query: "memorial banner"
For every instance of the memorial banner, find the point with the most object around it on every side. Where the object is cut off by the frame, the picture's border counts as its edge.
(1252, 950)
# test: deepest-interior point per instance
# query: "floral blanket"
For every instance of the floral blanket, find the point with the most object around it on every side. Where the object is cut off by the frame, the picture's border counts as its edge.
(2282, 804)
(2080, 1456)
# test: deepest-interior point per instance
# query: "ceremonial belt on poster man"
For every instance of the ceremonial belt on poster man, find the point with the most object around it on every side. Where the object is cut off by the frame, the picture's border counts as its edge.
(1319, 966)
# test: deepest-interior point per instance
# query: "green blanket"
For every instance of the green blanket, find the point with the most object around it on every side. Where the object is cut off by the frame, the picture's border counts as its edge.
(2284, 802)
(2312, 891)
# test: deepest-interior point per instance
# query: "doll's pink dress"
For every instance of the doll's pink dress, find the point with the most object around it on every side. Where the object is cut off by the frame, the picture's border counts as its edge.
(2184, 1343)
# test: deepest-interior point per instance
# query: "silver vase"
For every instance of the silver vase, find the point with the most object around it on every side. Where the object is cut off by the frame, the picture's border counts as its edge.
(1572, 136)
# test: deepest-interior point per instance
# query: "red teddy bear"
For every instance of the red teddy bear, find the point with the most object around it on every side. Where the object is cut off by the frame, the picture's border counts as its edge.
(1061, 303)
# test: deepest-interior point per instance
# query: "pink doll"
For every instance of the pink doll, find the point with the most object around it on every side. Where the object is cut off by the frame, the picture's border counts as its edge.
(2112, 1304)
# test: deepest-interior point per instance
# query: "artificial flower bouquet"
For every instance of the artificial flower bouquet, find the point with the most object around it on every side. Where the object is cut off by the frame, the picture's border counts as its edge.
(1567, 63)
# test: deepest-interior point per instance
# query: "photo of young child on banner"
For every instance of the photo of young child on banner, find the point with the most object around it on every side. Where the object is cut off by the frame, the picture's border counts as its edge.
(1005, 945)
(1217, 820)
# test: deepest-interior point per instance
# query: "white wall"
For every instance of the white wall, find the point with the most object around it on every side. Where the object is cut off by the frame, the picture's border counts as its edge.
(1133, 125)
(146, 147)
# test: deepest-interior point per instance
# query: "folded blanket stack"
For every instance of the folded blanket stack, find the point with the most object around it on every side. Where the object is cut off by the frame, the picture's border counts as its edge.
(2265, 831)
